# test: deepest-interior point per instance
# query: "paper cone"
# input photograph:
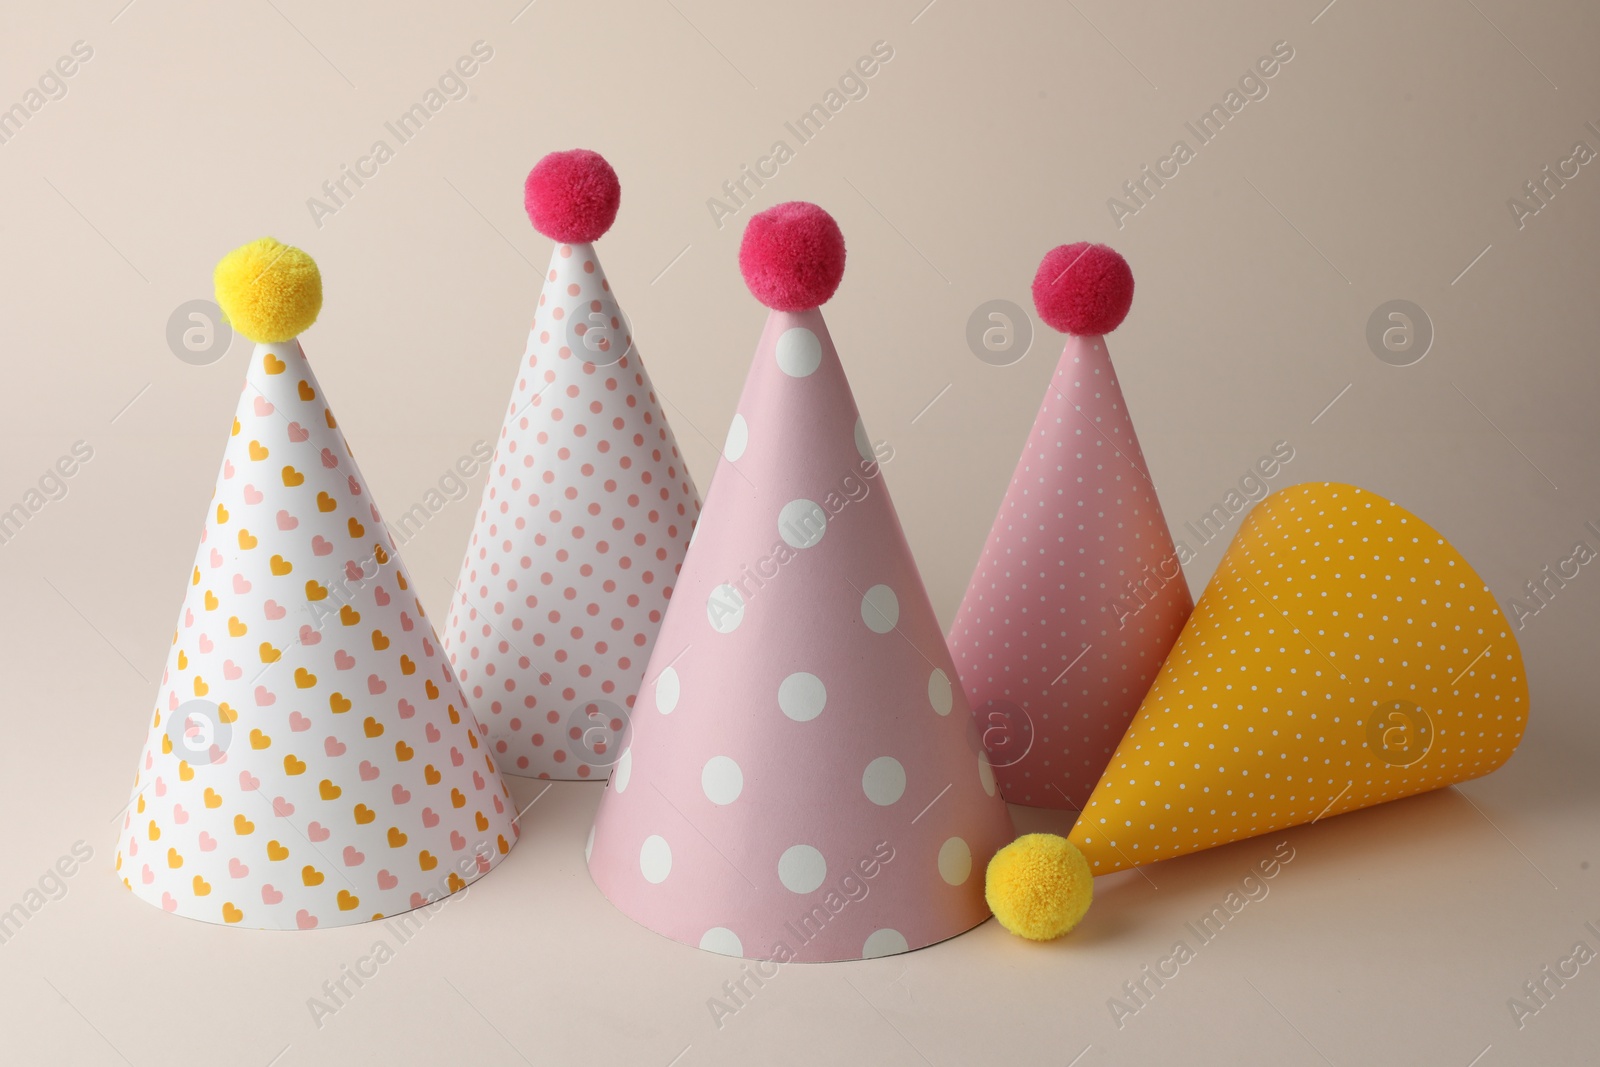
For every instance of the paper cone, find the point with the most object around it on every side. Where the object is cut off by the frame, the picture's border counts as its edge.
(585, 520)
(1078, 595)
(1342, 655)
(311, 761)
(800, 782)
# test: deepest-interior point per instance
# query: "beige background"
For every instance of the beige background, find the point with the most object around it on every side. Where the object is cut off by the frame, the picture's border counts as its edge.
(1378, 167)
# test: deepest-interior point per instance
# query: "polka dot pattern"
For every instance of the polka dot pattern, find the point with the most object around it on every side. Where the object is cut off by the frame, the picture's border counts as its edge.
(884, 943)
(802, 869)
(802, 523)
(818, 740)
(655, 859)
(802, 696)
(721, 940)
(955, 861)
(940, 695)
(721, 780)
(667, 690)
(582, 530)
(738, 438)
(864, 450)
(799, 352)
(884, 780)
(725, 608)
(1078, 595)
(1331, 607)
(880, 609)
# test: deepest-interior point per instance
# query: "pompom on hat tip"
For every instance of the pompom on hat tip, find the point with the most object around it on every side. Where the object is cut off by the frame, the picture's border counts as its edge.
(572, 196)
(792, 256)
(268, 290)
(1083, 289)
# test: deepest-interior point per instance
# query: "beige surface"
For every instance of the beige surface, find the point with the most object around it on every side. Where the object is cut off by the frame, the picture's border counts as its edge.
(1377, 167)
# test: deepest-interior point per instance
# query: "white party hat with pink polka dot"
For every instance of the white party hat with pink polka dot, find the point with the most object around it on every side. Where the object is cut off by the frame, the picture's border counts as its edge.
(586, 515)
(1344, 654)
(311, 761)
(1079, 593)
(801, 780)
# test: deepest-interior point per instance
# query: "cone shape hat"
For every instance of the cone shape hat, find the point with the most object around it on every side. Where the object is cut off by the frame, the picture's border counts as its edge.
(1342, 655)
(801, 781)
(311, 761)
(585, 520)
(1078, 595)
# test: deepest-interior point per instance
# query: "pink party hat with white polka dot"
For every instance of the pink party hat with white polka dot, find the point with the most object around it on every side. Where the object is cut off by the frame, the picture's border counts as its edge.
(1344, 654)
(586, 515)
(1079, 594)
(801, 780)
(311, 761)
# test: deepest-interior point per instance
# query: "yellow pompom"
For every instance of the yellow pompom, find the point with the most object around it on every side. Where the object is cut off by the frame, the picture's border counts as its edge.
(1039, 886)
(268, 290)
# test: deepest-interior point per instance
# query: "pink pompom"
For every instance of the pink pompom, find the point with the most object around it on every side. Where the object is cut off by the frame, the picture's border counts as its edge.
(792, 256)
(1083, 289)
(572, 196)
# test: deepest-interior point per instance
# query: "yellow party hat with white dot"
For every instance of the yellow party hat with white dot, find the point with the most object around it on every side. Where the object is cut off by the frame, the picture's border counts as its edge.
(1343, 655)
(310, 761)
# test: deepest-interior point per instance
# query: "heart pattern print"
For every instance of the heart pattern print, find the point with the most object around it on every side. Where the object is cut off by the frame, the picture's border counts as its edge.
(1343, 655)
(1078, 595)
(583, 528)
(311, 761)
(802, 781)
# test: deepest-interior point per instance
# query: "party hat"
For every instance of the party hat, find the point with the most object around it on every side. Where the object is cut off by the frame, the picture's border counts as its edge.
(311, 761)
(1079, 593)
(1344, 654)
(801, 781)
(586, 515)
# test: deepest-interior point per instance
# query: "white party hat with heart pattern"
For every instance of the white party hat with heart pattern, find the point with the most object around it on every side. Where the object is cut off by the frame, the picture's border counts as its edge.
(586, 515)
(311, 760)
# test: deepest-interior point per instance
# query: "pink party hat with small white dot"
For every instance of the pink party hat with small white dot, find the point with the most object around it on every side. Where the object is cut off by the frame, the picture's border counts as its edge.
(1079, 593)
(802, 780)
(586, 514)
